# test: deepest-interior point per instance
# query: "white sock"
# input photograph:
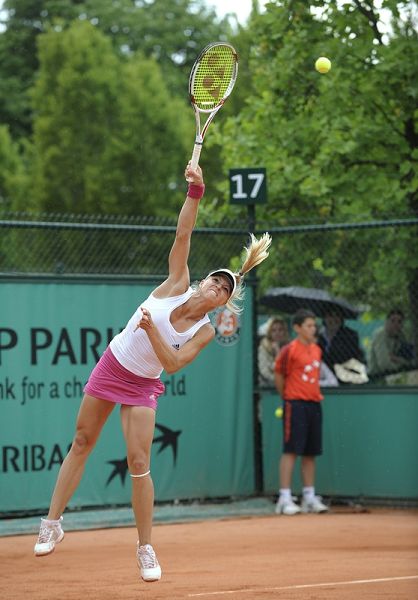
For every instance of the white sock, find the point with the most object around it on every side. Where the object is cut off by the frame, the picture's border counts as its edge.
(52, 521)
(308, 493)
(285, 494)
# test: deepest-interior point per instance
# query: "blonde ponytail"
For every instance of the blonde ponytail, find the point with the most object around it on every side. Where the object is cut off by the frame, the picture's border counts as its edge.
(255, 253)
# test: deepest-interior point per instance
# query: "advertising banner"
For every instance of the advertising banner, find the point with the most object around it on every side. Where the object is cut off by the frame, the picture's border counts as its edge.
(51, 336)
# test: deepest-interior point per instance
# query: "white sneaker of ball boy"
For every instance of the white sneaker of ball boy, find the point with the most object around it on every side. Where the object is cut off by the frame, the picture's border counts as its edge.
(286, 506)
(311, 503)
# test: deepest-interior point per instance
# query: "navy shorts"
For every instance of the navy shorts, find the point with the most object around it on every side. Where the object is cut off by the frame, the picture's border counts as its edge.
(302, 427)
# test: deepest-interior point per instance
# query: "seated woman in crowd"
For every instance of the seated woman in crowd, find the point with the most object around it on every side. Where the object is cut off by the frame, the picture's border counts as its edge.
(276, 336)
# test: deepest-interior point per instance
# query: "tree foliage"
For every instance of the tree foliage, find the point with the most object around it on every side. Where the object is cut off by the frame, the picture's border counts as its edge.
(25, 20)
(98, 120)
(95, 94)
(341, 146)
(95, 145)
(170, 33)
(13, 178)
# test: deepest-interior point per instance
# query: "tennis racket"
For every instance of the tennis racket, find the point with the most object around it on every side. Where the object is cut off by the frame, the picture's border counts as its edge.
(211, 81)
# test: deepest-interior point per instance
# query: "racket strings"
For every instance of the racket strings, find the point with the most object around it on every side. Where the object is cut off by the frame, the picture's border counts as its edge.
(214, 77)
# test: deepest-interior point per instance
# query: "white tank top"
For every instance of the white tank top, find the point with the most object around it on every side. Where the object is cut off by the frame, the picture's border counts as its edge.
(133, 349)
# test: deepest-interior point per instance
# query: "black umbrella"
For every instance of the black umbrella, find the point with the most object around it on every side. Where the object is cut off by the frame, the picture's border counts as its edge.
(289, 299)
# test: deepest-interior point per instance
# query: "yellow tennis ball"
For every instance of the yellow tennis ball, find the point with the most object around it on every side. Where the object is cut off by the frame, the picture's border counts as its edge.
(323, 64)
(278, 412)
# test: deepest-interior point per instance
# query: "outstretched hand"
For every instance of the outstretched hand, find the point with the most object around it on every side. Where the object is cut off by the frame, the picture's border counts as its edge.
(194, 175)
(146, 321)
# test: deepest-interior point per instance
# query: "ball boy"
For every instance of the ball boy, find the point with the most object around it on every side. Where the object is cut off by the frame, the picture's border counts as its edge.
(297, 370)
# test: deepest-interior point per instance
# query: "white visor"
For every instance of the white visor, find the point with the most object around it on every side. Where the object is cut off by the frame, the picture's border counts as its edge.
(229, 274)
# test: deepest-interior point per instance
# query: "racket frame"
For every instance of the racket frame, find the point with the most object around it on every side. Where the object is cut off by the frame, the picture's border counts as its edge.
(201, 131)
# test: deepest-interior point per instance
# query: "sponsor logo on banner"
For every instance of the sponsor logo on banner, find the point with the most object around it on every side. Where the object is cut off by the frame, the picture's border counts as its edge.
(31, 457)
(227, 326)
(167, 439)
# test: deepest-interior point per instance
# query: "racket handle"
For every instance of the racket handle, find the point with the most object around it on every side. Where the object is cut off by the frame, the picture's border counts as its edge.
(196, 155)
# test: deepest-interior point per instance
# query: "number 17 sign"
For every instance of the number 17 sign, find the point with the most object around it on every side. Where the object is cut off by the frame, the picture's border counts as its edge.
(248, 186)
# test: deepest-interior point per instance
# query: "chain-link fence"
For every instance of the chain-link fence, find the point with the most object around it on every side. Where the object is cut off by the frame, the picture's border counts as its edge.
(361, 281)
(371, 267)
(77, 245)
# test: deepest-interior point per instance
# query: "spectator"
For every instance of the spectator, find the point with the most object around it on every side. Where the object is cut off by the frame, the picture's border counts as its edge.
(276, 336)
(339, 343)
(326, 375)
(390, 351)
(297, 371)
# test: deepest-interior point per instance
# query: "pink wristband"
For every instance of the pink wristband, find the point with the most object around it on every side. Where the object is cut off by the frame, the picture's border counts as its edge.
(196, 191)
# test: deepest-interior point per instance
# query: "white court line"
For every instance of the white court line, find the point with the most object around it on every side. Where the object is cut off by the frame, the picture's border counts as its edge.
(303, 586)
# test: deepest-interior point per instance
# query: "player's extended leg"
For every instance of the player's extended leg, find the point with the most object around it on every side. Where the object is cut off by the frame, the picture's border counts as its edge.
(138, 424)
(92, 416)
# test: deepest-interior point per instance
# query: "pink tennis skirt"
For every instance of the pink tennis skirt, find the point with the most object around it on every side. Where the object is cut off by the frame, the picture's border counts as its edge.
(109, 380)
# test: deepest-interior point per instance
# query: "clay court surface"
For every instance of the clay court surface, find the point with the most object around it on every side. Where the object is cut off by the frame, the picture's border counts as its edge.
(311, 557)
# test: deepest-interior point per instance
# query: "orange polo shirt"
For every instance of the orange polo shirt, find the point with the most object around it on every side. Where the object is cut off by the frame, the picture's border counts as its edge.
(300, 366)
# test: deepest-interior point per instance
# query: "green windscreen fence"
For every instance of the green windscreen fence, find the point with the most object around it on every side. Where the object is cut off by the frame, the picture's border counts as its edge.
(51, 335)
(370, 444)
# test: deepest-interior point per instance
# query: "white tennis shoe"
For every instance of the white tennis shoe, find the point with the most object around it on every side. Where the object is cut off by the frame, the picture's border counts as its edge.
(50, 534)
(314, 505)
(287, 507)
(148, 563)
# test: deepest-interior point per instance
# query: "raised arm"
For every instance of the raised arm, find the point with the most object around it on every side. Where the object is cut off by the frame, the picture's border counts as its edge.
(178, 279)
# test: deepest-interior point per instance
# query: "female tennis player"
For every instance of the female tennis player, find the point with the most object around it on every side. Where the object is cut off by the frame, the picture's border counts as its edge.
(167, 332)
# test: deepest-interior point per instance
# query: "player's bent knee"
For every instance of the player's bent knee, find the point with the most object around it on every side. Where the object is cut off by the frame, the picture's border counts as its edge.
(81, 444)
(138, 466)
